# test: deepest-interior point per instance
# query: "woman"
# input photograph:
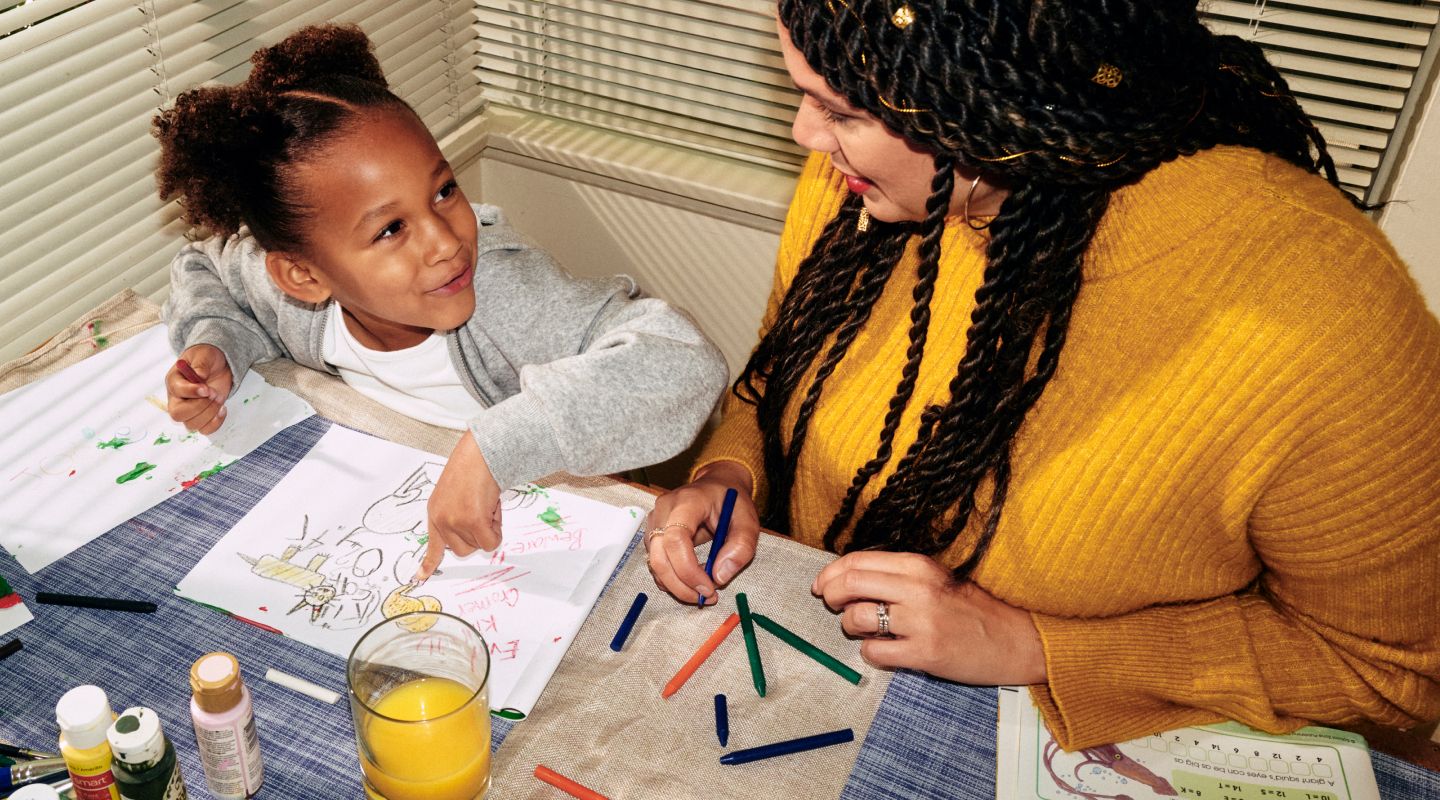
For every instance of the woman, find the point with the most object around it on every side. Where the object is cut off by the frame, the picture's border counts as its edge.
(1080, 355)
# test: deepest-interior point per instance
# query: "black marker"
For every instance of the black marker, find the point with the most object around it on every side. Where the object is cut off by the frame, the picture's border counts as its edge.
(105, 603)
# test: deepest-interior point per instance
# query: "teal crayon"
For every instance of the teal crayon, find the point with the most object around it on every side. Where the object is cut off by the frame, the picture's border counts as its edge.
(793, 639)
(752, 648)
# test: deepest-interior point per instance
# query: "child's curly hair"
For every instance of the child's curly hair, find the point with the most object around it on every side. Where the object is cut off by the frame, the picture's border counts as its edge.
(228, 151)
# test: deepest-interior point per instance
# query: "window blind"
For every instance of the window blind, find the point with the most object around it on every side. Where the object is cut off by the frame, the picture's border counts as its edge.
(79, 83)
(708, 75)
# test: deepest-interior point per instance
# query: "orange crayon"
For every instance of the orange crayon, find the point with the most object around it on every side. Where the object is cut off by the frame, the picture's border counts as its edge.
(566, 785)
(700, 655)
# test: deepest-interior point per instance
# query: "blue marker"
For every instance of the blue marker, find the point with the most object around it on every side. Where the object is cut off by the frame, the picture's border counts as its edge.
(788, 747)
(722, 720)
(633, 614)
(721, 529)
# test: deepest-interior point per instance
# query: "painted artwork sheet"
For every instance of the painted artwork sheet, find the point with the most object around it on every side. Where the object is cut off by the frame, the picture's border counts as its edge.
(91, 446)
(13, 612)
(1227, 761)
(331, 551)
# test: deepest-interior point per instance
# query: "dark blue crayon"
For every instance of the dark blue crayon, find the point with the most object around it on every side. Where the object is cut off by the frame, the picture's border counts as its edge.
(788, 747)
(722, 720)
(633, 614)
(721, 530)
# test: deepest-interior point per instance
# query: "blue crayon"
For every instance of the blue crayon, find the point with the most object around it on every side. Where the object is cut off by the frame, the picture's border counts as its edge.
(721, 530)
(722, 720)
(633, 614)
(788, 747)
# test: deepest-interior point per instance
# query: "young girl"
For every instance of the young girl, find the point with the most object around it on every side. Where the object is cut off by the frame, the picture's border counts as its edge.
(363, 259)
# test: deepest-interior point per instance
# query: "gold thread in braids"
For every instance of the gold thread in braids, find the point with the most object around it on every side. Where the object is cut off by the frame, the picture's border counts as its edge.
(902, 18)
(1071, 159)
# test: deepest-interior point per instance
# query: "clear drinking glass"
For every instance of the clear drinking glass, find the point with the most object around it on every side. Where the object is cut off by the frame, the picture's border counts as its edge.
(418, 696)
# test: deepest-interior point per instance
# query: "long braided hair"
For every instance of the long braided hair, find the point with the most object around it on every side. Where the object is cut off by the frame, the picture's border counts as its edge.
(1023, 92)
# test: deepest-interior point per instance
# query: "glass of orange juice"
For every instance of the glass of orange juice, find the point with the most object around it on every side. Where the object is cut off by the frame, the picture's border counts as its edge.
(418, 695)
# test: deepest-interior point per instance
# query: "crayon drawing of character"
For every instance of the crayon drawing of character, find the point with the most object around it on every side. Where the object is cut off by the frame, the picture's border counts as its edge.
(1102, 758)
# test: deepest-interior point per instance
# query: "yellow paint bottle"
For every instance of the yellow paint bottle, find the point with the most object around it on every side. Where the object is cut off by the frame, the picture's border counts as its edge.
(84, 715)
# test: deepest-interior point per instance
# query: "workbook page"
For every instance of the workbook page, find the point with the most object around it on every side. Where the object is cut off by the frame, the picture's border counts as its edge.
(1209, 762)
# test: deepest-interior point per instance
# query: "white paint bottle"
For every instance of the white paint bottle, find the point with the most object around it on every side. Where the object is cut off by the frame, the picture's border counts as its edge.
(225, 727)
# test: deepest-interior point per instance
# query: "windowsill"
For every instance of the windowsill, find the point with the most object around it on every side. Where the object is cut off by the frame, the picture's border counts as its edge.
(720, 187)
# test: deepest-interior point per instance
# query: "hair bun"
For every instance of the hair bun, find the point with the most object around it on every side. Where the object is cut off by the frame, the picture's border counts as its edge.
(312, 53)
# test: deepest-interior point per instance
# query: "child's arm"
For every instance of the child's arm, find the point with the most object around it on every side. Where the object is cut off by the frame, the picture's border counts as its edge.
(220, 295)
(592, 377)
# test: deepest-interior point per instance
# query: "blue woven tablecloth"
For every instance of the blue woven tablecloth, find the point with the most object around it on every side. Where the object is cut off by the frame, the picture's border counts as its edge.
(930, 739)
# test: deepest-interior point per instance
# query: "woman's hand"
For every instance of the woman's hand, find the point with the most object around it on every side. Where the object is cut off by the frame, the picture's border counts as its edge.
(956, 631)
(686, 517)
(464, 508)
(199, 406)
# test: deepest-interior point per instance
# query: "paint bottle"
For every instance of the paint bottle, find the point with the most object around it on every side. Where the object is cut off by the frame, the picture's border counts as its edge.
(84, 713)
(225, 727)
(145, 767)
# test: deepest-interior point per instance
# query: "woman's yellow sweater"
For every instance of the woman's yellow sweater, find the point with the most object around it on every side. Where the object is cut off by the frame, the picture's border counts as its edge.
(1227, 501)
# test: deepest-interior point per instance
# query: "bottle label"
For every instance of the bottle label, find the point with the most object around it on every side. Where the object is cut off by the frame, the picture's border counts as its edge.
(94, 786)
(231, 757)
(176, 789)
(254, 772)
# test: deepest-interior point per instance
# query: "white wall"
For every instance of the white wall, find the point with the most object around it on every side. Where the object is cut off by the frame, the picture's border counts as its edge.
(1413, 220)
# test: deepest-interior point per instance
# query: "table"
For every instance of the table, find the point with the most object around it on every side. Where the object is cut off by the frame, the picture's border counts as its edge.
(930, 739)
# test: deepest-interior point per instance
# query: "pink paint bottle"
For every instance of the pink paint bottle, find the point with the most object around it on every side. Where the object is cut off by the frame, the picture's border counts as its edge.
(225, 727)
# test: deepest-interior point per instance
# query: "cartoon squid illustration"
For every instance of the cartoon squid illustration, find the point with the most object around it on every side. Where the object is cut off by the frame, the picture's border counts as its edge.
(1110, 757)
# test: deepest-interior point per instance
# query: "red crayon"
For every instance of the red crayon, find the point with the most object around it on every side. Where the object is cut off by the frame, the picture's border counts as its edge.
(188, 372)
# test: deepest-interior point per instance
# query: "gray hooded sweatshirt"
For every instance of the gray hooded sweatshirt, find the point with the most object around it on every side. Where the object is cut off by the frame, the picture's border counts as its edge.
(585, 376)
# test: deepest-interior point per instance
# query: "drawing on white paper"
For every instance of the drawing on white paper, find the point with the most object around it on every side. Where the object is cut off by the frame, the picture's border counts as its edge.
(91, 446)
(325, 566)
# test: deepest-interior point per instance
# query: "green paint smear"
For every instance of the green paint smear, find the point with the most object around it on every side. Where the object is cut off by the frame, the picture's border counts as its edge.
(215, 470)
(114, 444)
(5, 587)
(551, 517)
(140, 469)
(248, 399)
(162, 439)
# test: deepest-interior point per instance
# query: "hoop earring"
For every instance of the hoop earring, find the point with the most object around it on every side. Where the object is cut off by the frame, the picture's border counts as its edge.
(968, 195)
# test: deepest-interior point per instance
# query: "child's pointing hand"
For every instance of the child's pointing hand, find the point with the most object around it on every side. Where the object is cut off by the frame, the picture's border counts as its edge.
(464, 508)
(199, 405)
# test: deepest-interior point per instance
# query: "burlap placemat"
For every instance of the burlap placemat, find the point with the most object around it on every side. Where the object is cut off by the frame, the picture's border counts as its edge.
(603, 723)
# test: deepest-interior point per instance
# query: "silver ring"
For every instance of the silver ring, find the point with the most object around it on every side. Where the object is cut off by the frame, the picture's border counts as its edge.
(882, 619)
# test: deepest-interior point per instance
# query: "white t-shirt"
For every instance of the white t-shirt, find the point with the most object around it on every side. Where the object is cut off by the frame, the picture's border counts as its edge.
(419, 382)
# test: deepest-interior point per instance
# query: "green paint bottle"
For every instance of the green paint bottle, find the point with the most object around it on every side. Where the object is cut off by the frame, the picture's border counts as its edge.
(145, 767)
